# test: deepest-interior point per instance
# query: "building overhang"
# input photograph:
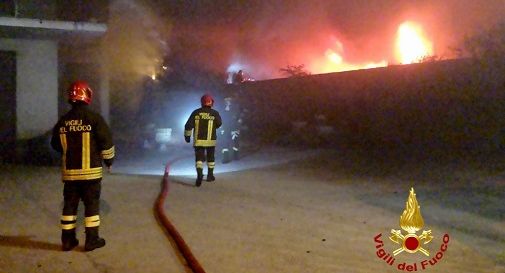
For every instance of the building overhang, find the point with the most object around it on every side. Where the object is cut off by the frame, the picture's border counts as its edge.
(26, 28)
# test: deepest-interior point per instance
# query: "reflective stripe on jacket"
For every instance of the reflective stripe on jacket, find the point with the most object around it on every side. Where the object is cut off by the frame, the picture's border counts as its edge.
(203, 123)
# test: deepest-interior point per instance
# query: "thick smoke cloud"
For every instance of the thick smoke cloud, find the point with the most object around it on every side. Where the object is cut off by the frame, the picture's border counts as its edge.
(263, 36)
(135, 44)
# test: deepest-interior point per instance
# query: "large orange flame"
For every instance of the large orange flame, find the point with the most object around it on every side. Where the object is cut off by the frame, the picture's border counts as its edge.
(334, 61)
(411, 46)
(411, 43)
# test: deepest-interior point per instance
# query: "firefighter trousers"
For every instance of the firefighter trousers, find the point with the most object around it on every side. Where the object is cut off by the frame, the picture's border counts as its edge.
(231, 148)
(89, 193)
(205, 154)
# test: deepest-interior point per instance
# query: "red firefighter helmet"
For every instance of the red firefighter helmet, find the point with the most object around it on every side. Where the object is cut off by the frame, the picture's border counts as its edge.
(207, 100)
(80, 91)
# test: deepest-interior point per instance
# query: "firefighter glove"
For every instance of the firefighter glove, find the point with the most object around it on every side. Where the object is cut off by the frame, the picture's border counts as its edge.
(187, 138)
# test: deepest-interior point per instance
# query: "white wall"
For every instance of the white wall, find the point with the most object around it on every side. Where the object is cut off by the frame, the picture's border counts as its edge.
(104, 93)
(36, 85)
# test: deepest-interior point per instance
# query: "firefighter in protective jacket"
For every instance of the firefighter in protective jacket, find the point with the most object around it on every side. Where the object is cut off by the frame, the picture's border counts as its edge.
(84, 140)
(202, 123)
(230, 133)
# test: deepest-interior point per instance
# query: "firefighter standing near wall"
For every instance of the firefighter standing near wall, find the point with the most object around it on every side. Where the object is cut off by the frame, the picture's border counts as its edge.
(203, 123)
(238, 78)
(230, 131)
(84, 139)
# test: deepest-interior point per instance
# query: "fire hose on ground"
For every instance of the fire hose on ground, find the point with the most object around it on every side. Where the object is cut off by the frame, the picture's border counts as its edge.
(170, 228)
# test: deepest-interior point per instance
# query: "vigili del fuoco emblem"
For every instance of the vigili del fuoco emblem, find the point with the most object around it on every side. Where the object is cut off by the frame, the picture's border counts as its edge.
(411, 221)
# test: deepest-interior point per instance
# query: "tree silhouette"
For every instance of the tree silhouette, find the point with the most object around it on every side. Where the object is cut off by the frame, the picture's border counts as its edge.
(294, 71)
(487, 49)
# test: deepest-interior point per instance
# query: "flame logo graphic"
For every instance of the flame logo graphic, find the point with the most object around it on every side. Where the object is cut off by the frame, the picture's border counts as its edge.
(411, 220)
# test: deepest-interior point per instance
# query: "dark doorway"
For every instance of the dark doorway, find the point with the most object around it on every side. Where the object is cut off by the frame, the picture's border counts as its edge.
(7, 8)
(8, 106)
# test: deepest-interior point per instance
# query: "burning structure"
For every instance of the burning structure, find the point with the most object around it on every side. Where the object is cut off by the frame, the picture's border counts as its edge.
(324, 36)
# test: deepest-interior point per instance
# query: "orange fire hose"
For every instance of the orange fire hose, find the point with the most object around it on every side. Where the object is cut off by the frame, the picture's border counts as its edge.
(170, 228)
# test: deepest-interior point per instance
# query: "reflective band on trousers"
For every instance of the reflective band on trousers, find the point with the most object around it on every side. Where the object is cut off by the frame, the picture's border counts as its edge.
(68, 222)
(68, 217)
(92, 221)
(199, 164)
(68, 226)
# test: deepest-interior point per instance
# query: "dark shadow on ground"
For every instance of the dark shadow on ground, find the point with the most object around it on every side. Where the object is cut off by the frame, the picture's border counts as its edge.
(186, 182)
(25, 241)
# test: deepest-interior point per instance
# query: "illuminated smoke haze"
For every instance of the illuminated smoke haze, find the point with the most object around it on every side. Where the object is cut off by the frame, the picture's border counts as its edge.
(135, 44)
(264, 36)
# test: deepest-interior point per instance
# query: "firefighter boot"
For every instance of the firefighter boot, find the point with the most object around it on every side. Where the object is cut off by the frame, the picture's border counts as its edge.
(210, 175)
(199, 177)
(226, 156)
(235, 154)
(92, 239)
(68, 240)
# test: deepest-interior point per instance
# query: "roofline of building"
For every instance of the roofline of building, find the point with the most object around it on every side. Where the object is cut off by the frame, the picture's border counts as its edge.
(53, 25)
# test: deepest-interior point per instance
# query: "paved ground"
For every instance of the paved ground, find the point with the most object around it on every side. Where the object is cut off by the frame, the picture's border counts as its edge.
(152, 162)
(292, 217)
(31, 202)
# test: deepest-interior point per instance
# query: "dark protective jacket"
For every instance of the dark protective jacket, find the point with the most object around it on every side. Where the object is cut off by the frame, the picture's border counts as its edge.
(203, 122)
(84, 139)
(230, 130)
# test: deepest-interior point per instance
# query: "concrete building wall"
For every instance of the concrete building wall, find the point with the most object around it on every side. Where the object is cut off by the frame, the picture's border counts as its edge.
(40, 9)
(439, 105)
(37, 85)
(85, 62)
(104, 93)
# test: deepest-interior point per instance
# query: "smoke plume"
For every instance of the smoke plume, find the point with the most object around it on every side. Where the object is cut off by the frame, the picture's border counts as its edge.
(264, 36)
(135, 44)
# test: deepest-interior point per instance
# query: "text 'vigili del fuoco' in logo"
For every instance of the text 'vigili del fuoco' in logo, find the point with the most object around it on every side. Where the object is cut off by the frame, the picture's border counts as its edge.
(411, 222)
